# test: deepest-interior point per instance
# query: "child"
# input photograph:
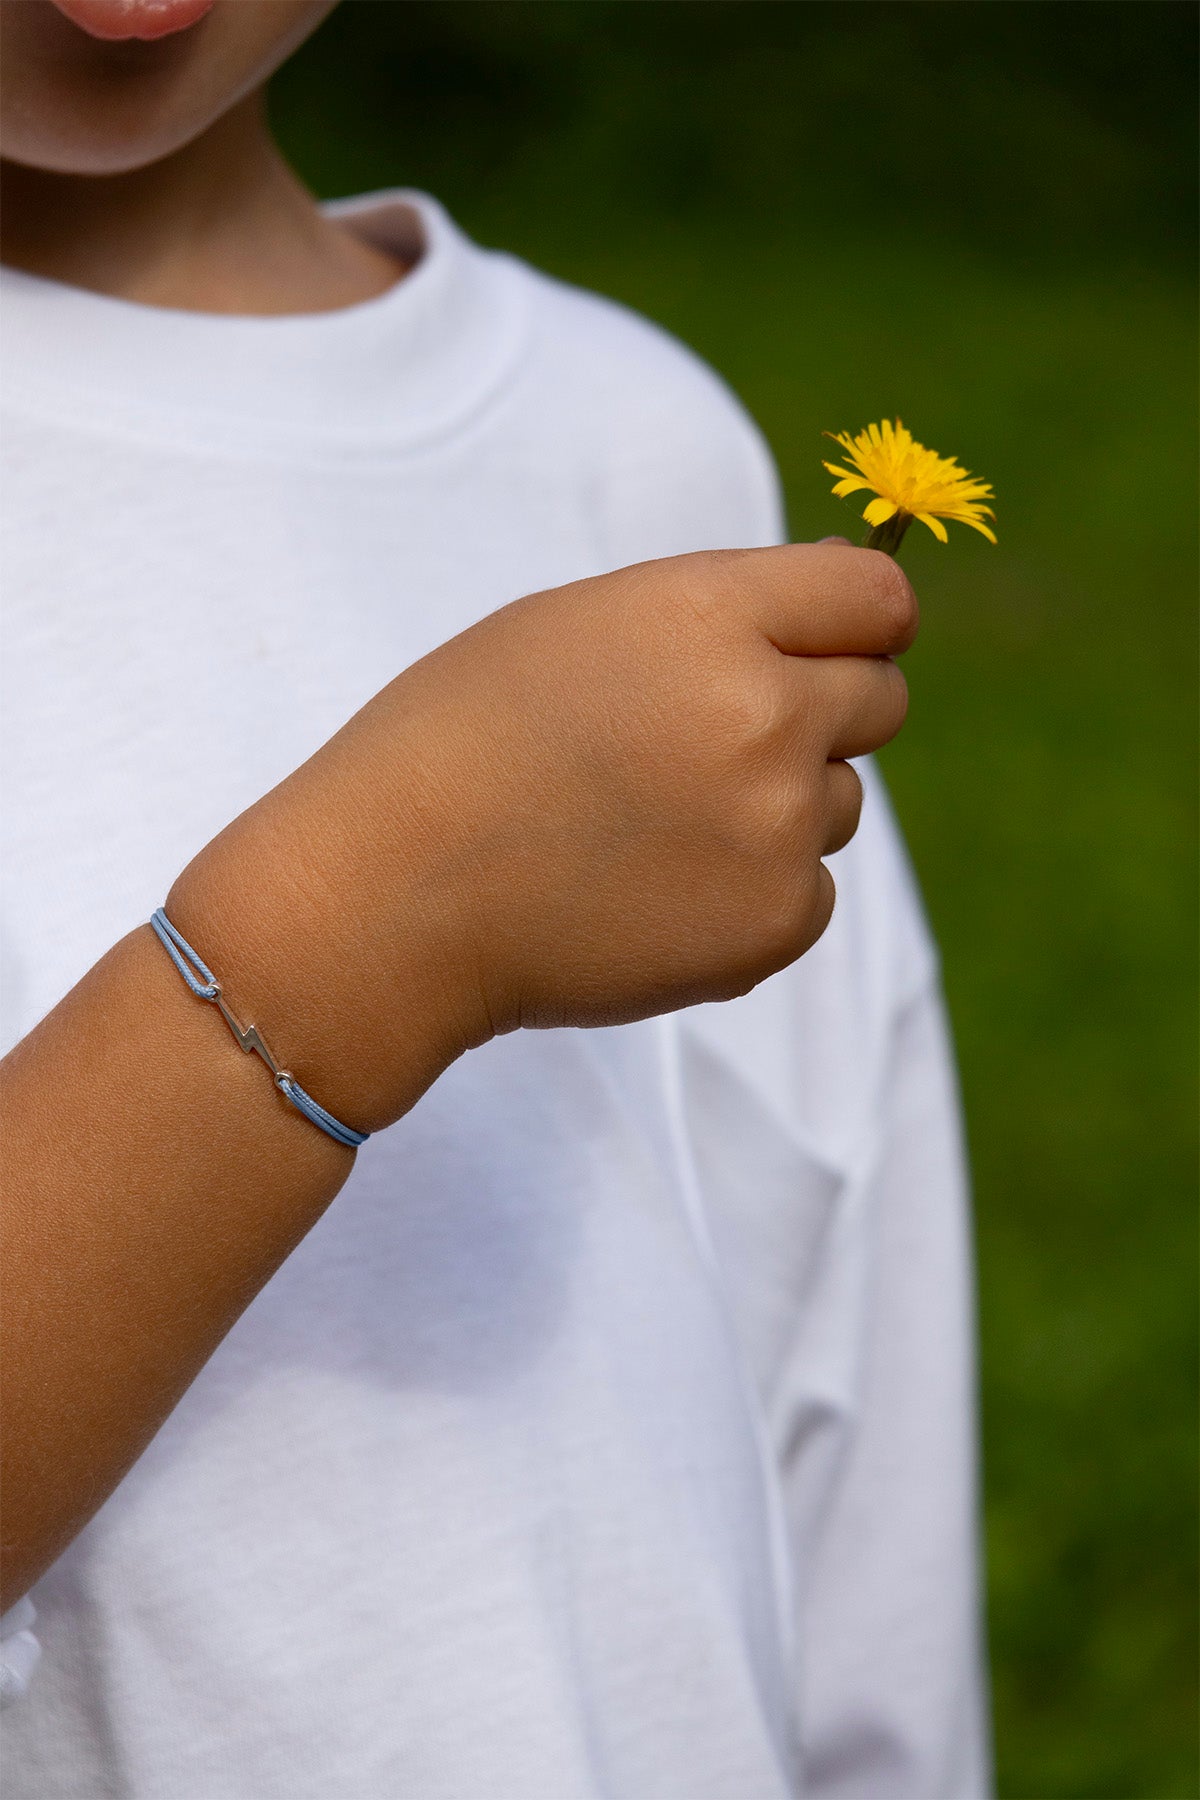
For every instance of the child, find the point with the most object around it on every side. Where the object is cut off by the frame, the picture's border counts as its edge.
(612, 1434)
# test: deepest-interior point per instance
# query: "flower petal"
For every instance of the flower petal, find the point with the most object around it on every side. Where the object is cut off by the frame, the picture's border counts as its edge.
(908, 478)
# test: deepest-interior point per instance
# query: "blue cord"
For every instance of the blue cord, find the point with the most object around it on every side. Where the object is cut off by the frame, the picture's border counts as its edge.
(209, 988)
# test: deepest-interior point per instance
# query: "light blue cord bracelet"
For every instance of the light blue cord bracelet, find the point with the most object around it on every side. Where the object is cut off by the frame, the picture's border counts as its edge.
(209, 988)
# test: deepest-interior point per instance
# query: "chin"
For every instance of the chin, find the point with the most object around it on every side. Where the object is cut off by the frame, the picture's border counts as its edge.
(81, 103)
(100, 141)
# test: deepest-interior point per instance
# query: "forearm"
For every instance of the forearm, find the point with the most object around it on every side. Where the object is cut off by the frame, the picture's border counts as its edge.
(602, 801)
(154, 1179)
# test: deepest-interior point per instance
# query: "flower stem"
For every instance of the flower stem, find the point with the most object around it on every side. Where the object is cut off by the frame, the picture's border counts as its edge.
(888, 536)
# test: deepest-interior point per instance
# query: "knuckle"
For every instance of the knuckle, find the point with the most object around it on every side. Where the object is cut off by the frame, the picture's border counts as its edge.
(899, 696)
(784, 811)
(848, 794)
(845, 806)
(763, 824)
(701, 580)
(790, 922)
(748, 717)
(792, 902)
(758, 716)
(899, 615)
(824, 902)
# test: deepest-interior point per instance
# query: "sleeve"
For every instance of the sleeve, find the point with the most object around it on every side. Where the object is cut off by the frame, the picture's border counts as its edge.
(19, 1650)
(892, 1687)
(823, 1120)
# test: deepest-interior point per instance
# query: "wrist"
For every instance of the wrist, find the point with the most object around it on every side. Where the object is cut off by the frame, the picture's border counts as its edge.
(347, 977)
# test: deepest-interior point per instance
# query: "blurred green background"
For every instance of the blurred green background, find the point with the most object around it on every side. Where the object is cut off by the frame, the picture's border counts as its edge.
(980, 216)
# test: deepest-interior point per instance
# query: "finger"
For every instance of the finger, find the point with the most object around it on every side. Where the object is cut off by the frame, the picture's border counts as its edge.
(844, 805)
(825, 901)
(860, 701)
(827, 599)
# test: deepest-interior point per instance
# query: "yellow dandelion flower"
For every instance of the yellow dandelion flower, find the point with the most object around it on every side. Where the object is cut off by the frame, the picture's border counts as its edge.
(909, 482)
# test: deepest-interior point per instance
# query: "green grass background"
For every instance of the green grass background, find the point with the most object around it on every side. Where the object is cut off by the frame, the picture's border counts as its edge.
(979, 216)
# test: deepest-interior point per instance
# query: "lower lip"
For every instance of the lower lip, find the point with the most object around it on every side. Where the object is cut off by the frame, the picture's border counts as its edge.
(146, 19)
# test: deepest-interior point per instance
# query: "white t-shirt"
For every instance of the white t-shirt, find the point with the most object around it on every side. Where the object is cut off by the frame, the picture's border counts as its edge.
(612, 1435)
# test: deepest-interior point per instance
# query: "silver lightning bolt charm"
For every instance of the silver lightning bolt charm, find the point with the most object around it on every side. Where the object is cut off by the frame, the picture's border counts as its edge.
(207, 987)
(247, 1036)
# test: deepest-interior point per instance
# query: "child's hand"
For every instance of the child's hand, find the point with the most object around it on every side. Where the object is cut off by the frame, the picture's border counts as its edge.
(603, 801)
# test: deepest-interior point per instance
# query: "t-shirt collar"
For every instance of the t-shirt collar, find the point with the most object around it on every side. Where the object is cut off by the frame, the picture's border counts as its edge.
(411, 362)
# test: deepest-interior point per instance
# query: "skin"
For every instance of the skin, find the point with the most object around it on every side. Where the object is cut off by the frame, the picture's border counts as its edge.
(601, 802)
(146, 170)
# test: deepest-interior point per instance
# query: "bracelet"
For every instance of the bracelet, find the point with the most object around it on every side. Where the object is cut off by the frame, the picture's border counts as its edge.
(209, 988)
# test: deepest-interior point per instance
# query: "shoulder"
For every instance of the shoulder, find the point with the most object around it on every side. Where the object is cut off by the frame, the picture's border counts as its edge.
(683, 464)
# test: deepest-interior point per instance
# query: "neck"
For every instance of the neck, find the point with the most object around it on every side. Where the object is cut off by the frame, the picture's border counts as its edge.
(222, 225)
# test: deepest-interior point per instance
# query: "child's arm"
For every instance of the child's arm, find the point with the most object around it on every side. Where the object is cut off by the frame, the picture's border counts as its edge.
(602, 802)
